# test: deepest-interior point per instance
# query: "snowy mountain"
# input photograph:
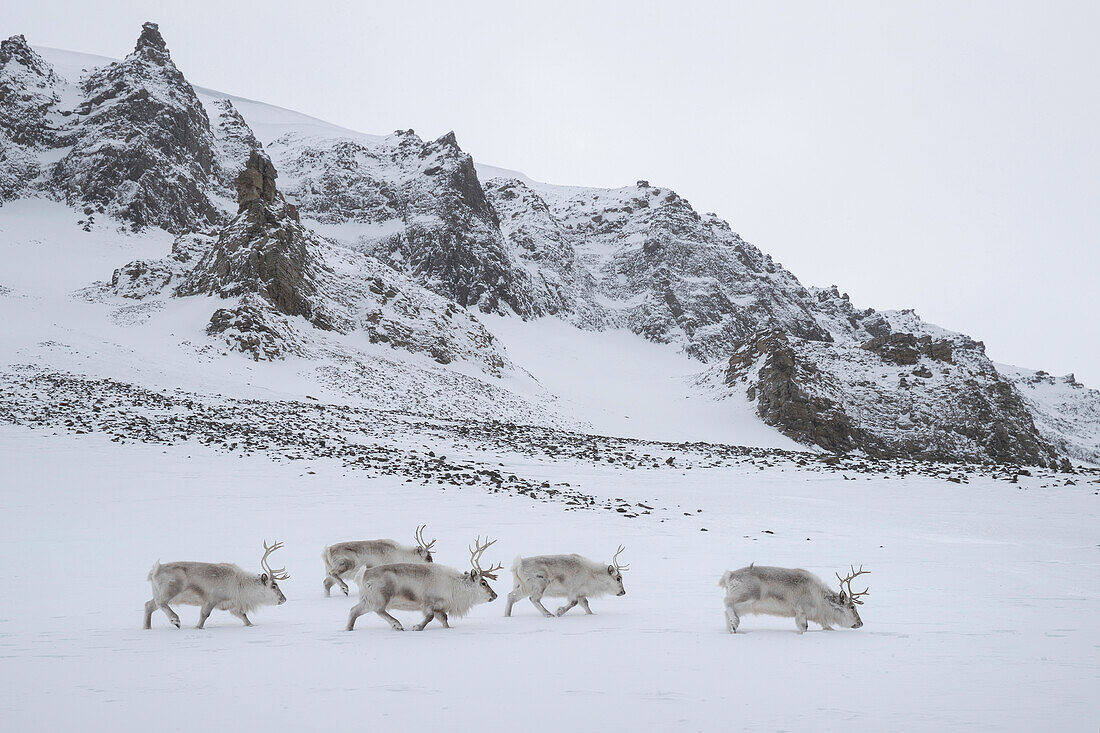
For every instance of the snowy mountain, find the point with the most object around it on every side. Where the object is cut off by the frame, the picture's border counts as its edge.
(391, 241)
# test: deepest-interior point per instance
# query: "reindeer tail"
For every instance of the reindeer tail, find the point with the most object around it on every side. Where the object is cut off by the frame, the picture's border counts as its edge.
(724, 582)
(517, 582)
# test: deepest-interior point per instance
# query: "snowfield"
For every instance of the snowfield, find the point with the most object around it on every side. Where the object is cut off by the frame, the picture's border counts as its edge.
(982, 613)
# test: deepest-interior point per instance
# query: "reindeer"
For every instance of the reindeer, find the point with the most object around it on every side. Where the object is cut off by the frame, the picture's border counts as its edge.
(435, 590)
(344, 558)
(573, 577)
(214, 585)
(791, 593)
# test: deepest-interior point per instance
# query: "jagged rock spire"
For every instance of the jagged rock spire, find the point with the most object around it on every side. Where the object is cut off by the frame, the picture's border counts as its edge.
(256, 182)
(150, 40)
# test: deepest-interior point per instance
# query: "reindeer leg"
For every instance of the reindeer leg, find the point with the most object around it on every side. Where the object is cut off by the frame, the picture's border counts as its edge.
(393, 622)
(564, 609)
(442, 619)
(356, 611)
(204, 613)
(169, 613)
(732, 619)
(584, 605)
(343, 585)
(516, 595)
(167, 593)
(150, 606)
(428, 616)
(328, 583)
(241, 615)
(800, 621)
(537, 600)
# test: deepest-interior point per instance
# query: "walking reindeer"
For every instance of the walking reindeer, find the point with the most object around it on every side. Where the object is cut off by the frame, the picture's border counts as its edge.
(572, 577)
(214, 585)
(435, 590)
(345, 558)
(792, 593)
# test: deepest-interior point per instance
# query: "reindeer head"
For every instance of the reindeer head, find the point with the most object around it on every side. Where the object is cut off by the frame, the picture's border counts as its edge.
(481, 577)
(846, 605)
(423, 548)
(269, 576)
(615, 571)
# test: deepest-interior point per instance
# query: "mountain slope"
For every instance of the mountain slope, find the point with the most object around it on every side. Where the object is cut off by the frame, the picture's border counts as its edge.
(638, 258)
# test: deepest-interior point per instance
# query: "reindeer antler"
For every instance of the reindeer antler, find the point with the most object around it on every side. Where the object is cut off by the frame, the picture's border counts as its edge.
(281, 573)
(847, 582)
(475, 558)
(615, 560)
(420, 538)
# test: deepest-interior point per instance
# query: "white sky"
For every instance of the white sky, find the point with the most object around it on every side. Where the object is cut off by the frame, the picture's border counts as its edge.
(938, 156)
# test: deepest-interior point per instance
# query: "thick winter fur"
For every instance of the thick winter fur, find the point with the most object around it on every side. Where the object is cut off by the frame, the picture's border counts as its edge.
(572, 577)
(793, 593)
(435, 590)
(210, 585)
(344, 559)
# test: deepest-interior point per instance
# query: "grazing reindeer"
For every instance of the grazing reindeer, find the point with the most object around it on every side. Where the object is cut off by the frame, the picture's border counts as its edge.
(573, 577)
(214, 585)
(794, 594)
(435, 590)
(344, 558)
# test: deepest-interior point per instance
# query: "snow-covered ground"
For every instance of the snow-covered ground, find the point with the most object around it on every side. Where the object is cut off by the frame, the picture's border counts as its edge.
(982, 613)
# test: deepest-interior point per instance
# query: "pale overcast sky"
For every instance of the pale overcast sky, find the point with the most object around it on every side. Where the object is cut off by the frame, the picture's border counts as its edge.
(937, 156)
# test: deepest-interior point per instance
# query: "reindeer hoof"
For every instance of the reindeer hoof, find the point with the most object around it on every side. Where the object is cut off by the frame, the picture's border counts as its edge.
(176, 624)
(345, 591)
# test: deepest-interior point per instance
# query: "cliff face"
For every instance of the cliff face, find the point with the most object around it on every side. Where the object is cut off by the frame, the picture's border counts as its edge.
(145, 151)
(416, 205)
(280, 287)
(946, 402)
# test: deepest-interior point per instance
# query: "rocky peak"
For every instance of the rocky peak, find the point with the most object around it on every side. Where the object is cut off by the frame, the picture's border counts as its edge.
(29, 117)
(256, 183)
(17, 50)
(145, 152)
(151, 43)
(265, 252)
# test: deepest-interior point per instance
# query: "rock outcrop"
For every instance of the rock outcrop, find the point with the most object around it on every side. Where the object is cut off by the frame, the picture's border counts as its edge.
(145, 150)
(266, 252)
(285, 290)
(416, 205)
(843, 397)
(30, 119)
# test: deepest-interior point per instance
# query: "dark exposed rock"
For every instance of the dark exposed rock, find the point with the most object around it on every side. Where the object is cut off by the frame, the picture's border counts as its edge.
(907, 349)
(442, 231)
(145, 150)
(842, 397)
(781, 399)
(264, 251)
(256, 183)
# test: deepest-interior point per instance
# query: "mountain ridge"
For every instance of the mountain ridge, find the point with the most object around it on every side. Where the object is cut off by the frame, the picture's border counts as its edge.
(637, 257)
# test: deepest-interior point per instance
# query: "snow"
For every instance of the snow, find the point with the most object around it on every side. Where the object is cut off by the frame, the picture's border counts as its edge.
(982, 611)
(620, 384)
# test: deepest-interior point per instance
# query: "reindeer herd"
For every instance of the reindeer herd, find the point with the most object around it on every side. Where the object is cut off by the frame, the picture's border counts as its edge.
(396, 577)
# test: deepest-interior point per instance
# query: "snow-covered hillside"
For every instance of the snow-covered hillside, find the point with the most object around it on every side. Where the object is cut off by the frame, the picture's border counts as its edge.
(638, 259)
